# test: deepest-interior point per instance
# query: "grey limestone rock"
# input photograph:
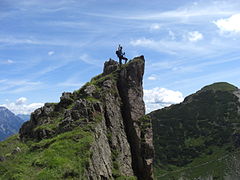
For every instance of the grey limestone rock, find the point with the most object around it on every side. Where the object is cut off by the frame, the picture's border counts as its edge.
(110, 66)
(2, 158)
(16, 150)
(89, 90)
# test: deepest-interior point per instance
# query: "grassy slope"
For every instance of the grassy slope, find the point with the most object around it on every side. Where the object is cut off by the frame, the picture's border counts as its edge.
(195, 138)
(220, 86)
(63, 156)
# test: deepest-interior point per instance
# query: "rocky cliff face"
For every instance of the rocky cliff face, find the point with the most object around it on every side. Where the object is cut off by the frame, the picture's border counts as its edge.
(108, 109)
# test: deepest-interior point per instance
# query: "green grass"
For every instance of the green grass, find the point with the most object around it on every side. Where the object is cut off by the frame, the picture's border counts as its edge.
(220, 86)
(97, 82)
(51, 127)
(62, 157)
(92, 99)
(195, 142)
(10, 144)
(214, 165)
(126, 178)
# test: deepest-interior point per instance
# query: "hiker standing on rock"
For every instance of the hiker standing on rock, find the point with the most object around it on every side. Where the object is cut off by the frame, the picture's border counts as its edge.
(120, 55)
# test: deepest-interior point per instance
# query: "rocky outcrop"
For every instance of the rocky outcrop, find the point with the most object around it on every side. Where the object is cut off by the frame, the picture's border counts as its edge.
(110, 106)
(131, 92)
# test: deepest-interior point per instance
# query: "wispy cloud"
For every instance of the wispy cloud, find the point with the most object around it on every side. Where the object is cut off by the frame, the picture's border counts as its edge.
(66, 24)
(195, 36)
(190, 10)
(49, 69)
(16, 86)
(89, 60)
(204, 79)
(50, 53)
(7, 40)
(3, 80)
(63, 60)
(155, 26)
(175, 68)
(73, 80)
(172, 35)
(8, 61)
(19, 82)
(70, 84)
(41, 4)
(171, 47)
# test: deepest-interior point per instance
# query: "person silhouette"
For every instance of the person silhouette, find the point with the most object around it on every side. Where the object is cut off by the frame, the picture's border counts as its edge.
(120, 55)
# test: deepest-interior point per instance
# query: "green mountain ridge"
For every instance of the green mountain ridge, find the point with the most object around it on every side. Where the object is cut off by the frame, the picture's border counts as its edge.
(199, 138)
(220, 86)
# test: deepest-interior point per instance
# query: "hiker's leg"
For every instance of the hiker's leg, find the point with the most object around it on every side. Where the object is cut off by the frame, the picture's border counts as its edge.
(120, 60)
(126, 59)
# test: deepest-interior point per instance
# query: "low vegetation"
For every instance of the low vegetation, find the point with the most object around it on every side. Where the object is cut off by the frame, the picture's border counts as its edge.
(62, 157)
(192, 138)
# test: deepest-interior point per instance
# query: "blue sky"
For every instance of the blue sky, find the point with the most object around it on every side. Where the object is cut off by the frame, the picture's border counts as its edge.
(48, 47)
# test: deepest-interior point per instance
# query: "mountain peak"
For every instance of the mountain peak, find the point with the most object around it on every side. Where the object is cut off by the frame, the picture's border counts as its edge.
(2, 108)
(220, 86)
(9, 123)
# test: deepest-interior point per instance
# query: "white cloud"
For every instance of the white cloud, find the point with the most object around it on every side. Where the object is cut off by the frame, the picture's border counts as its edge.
(142, 42)
(21, 107)
(152, 78)
(158, 98)
(172, 35)
(231, 24)
(21, 101)
(8, 61)
(50, 53)
(195, 36)
(155, 26)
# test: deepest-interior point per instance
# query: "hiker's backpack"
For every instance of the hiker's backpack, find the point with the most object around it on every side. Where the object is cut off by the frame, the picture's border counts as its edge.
(117, 53)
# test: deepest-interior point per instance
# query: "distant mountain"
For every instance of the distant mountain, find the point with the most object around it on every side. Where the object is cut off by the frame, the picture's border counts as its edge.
(9, 123)
(24, 117)
(200, 137)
